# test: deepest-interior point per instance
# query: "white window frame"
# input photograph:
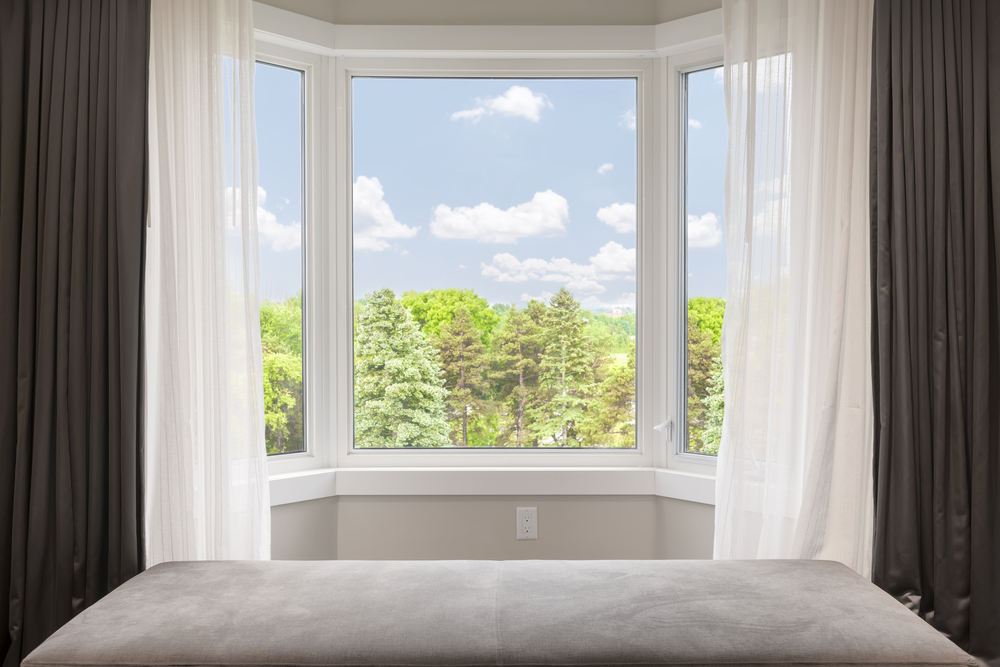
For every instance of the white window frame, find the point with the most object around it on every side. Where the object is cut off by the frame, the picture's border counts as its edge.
(678, 66)
(655, 56)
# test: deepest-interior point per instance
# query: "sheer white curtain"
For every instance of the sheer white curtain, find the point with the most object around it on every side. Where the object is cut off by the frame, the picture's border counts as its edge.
(206, 467)
(795, 462)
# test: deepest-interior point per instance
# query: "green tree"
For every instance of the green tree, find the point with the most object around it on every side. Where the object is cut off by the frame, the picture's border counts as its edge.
(715, 405)
(281, 345)
(565, 374)
(706, 313)
(399, 394)
(464, 363)
(700, 354)
(435, 308)
(610, 419)
(517, 350)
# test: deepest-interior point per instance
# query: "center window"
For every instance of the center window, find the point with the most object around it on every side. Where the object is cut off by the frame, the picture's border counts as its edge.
(494, 262)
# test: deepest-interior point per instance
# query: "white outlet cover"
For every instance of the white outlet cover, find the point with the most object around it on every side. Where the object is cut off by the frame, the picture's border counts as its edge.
(527, 523)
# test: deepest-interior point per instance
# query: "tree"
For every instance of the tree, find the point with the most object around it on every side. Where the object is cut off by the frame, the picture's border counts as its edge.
(281, 346)
(517, 354)
(564, 374)
(707, 313)
(399, 394)
(715, 404)
(700, 353)
(434, 308)
(464, 363)
(610, 419)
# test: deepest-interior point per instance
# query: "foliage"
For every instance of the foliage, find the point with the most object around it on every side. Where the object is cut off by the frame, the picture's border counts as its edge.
(399, 393)
(435, 308)
(281, 345)
(705, 389)
(516, 355)
(564, 380)
(463, 357)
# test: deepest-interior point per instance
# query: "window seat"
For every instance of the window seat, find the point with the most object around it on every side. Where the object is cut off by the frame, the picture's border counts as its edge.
(492, 613)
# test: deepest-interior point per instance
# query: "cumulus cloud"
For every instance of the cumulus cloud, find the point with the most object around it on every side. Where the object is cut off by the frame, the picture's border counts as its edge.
(374, 223)
(694, 123)
(545, 214)
(627, 119)
(703, 231)
(618, 216)
(612, 261)
(516, 101)
(625, 302)
(605, 168)
(270, 232)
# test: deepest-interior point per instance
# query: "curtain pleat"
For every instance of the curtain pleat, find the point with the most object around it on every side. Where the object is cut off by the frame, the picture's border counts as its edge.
(73, 83)
(935, 183)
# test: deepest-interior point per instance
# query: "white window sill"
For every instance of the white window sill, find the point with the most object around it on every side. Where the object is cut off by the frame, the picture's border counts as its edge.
(563, 481)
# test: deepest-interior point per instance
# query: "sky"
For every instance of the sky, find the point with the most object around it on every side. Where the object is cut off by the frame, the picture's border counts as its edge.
(511, 187)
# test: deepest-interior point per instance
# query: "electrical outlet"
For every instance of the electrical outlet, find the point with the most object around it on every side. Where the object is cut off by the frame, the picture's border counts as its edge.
(527, 523)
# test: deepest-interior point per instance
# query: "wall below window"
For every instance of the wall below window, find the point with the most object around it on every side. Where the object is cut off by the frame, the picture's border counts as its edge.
(482, 527)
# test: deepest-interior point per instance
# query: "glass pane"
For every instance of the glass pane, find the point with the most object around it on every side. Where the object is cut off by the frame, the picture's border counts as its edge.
(706, 258)
(279, 110)
(494, 262)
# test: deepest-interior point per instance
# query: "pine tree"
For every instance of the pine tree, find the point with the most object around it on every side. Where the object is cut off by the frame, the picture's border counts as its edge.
(610, 418)
(399, 397)
(565, 374)
(464, 363)
(516, 360)
(715, 404)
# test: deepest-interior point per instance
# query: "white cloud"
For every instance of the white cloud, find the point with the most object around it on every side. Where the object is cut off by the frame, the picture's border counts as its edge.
(374, 223)
(605, 168)
(612, 261)
(462, 267)
(543, 297)
(628, 119)
(625, 302)
(545, 214)
(270, 232)
(694, 123)
(516, 101)
(618, 216)
(703, 231)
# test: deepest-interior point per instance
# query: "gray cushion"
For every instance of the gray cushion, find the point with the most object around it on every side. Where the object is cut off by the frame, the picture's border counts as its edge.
(487, 613)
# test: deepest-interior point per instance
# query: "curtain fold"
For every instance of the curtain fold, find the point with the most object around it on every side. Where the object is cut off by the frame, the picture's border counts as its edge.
(935, 253)
(207, 483)
(73, 84)
(793, 476)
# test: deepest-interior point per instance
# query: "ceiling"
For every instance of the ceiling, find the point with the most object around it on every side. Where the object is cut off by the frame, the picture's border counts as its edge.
(496, 12)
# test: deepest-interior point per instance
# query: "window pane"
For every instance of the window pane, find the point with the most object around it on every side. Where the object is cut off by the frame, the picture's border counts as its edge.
(494, 262)
(279, 111)
(706, 257)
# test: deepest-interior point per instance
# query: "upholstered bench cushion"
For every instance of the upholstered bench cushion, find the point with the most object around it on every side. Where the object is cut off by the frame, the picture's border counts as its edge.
(489, 613)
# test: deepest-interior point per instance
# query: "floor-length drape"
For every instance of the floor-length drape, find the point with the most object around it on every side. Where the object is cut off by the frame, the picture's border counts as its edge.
(794, 462)
(935, 188)
(207, 486)
(72, 219)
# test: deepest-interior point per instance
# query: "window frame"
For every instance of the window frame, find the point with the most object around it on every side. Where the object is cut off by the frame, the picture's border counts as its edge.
(646, 438)
(311, 46)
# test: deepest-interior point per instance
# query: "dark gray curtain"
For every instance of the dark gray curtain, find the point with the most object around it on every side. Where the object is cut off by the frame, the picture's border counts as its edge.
(73, 78)
(935, 170)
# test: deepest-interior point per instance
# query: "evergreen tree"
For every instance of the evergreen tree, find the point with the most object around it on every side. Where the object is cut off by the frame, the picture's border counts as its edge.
(715, 404)
(517, 354)
(610, 419)
(700, 353)
(464, 363)
(565, 374)
(399, 397)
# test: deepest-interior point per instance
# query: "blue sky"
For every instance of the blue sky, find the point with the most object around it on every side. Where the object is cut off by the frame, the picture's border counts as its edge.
(511, 187)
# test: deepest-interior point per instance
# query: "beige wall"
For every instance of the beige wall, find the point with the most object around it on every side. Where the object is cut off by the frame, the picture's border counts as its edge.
(482, 527)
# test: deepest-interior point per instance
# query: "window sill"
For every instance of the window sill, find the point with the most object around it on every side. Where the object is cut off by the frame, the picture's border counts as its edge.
(564, 481)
